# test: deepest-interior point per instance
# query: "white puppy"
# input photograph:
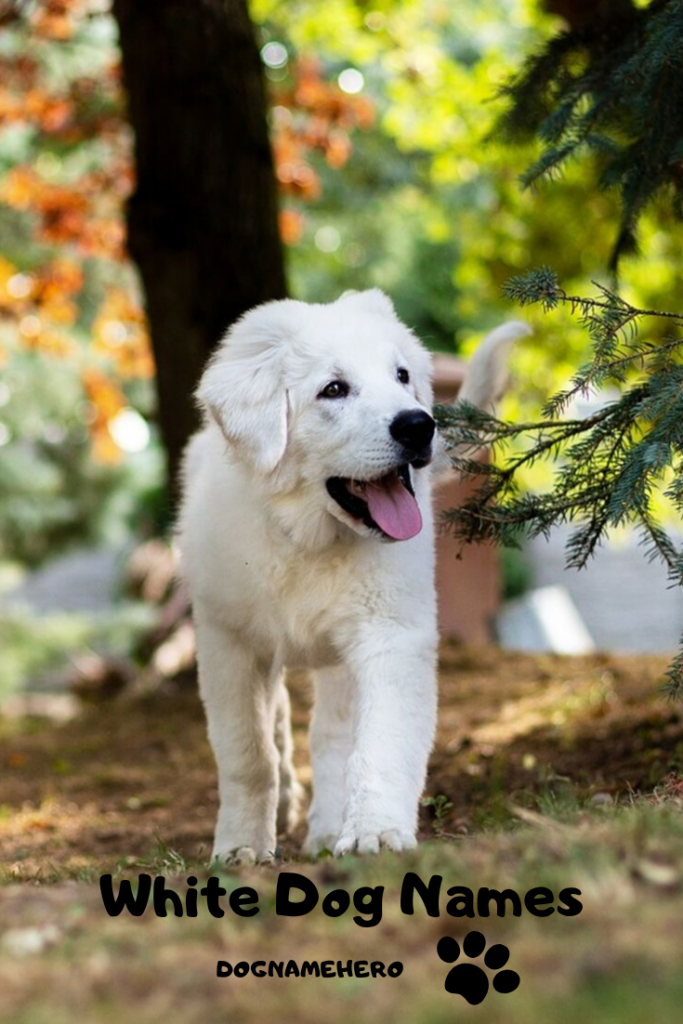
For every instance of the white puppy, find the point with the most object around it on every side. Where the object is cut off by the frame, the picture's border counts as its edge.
(311, 468)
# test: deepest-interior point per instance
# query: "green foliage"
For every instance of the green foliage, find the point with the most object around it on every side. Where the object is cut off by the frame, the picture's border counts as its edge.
(33, 646)
(611, 462)
(610, 87)
(516, 572)
(441, 807)
(52, 493)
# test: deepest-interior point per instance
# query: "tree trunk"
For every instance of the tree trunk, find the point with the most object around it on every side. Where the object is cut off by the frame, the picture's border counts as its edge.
(202, 223)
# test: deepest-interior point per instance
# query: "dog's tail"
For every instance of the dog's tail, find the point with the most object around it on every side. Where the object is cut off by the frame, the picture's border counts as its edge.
(486, 380)
(487, 375)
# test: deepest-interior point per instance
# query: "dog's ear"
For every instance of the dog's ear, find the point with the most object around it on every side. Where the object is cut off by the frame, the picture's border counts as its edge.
(373, 300)
(243, 387)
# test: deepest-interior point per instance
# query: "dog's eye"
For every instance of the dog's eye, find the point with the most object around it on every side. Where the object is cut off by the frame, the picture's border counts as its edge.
(335, 389)
(403, 375)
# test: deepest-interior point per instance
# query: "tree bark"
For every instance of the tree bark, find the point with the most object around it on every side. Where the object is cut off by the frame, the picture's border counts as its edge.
(202, 223)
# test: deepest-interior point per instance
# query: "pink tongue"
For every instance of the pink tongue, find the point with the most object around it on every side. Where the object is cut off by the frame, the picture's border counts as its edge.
(394, 508)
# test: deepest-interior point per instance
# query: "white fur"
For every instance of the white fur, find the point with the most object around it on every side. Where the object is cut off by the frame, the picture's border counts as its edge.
(280, 576)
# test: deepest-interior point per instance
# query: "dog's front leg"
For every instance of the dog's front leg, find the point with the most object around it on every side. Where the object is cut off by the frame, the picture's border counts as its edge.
(239, 694)
(394, 721)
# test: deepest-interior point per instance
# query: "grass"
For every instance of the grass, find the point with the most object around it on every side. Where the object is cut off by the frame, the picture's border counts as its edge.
(547, 772)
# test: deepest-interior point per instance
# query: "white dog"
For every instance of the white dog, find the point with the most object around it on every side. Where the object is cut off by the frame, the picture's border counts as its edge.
(311, 468)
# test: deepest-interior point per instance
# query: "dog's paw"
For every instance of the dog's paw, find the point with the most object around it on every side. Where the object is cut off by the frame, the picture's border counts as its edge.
(316, 843)
(242, 855)
(290, 806)
(372, 841)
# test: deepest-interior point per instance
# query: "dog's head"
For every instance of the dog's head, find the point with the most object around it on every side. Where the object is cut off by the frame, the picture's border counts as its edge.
(331, 403)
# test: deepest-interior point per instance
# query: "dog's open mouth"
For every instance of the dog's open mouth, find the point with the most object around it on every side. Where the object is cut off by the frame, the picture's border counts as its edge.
(386, 504)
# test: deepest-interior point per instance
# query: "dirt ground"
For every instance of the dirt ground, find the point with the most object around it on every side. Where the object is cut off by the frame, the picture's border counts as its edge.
(135, 772)
(547, 771)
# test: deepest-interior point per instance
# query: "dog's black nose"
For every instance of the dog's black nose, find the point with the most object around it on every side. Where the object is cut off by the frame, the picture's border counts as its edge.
(414, 429)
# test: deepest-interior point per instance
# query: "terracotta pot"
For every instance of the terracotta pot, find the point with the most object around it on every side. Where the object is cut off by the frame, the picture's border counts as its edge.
(468, 587)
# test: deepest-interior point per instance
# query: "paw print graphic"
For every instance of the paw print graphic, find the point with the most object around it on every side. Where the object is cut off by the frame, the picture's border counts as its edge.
(468, 980)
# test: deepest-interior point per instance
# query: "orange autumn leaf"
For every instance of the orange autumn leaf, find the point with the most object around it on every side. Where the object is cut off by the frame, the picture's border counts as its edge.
(106, 397)
(61, 310)
(63, 214)
(41, 299)
(104, 447)
(34, 336)
(120, 333)
(106, 400)
(19, 187)
(62, 210)
(10, 107)
(7, 273)
(87, 214)
(53, 26)
(313, 115)
(61, 276)
(57, 19)
(338, 149)
(104, 237)
(291, 226)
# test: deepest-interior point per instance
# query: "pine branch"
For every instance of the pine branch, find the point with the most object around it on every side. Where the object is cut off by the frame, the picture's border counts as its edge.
(612, 87)
(607, 464)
